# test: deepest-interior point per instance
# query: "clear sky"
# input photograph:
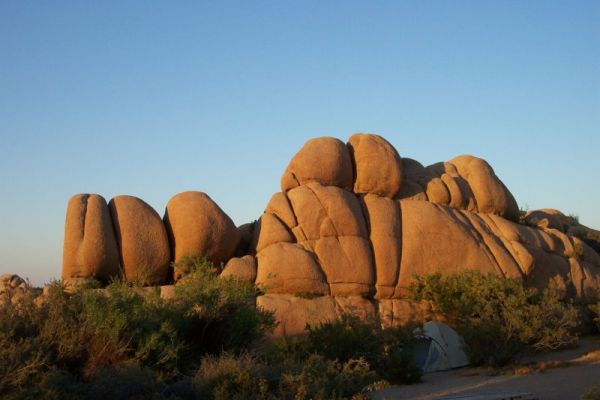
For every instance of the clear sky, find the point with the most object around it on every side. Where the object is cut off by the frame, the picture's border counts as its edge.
(151, 98)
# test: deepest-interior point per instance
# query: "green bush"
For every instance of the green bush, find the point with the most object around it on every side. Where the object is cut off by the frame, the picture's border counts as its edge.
(126, 342)
(77, 337)
(498, 317)
(230, 377)
(389, 352)
(336, 360)
(251, 377)
(222, 311)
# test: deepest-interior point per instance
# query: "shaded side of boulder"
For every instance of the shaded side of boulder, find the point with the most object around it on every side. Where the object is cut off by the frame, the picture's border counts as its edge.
(293, 313)
(90, 247)
(142, 240)
(246, 232)
(553, 219)
(197, 226)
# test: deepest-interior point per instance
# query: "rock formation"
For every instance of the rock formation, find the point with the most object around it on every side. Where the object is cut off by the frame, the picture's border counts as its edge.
(351, 227)
(12, 288)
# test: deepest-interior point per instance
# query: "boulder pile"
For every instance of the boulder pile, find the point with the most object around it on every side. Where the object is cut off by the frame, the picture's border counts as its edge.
(352, 225)
(127, 237)
(12, 288)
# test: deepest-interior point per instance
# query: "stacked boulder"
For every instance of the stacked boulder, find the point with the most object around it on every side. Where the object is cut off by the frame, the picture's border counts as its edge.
(353, 224)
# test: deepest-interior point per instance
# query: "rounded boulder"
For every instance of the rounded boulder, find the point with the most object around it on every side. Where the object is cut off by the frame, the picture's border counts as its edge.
(377, 164)
(325, 160)
(491, 195)
(142, 240)
(90, 247)
(196, 225)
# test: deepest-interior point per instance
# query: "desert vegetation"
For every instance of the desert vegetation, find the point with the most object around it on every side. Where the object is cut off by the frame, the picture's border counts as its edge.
(207, 340)
(499, 318)
(125, 341)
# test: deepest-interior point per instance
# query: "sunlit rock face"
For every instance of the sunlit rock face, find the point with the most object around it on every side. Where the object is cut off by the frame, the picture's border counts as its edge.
(368, 238)
(353, 224)
(90, 246)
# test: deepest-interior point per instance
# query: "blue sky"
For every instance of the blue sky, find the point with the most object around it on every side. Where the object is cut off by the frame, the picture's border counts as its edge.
(154, 98)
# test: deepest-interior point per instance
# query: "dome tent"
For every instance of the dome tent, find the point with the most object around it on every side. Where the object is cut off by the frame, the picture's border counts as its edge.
(439, 348)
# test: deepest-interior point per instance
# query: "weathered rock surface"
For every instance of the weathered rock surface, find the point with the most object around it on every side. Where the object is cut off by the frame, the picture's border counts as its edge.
(90, 247)
(142, 240)
(377, 165)
(466, 183)
(554, 219)
(288, 268)
(196, 225)
(491, 196)
(325, 160)
(384, 222)
(242, 268)
(404, 221)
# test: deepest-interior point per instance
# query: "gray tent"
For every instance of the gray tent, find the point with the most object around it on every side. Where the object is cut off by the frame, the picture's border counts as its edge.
(439, 348)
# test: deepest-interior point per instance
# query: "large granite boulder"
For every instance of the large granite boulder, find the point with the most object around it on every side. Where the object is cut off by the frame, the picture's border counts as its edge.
(325, 160)
(142, 240)
(197, 226)
(377, 165)
(241, 268)
(90, 247)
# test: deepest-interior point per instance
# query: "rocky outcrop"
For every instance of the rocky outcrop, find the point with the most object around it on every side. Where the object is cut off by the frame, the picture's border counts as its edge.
(351, 227)
(553, 219)
(12, 288)
(142, 240)
(90, 247)
(400, 219)
(466, 182)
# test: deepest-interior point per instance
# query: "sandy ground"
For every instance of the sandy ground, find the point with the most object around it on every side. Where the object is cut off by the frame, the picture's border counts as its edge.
(564, 375)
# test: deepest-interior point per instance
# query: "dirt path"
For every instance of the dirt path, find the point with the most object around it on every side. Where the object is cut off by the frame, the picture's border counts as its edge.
(567, 375)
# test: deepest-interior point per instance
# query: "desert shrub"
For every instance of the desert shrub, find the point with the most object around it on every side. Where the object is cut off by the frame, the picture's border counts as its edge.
(254, 378)
(498, 317)
(388, 352)
(76, 338)
(230, 377)
(592, 394)
(322, 379)
(223, 310)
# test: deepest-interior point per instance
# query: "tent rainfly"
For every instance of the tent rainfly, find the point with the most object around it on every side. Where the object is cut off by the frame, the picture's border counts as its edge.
(439, 348)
